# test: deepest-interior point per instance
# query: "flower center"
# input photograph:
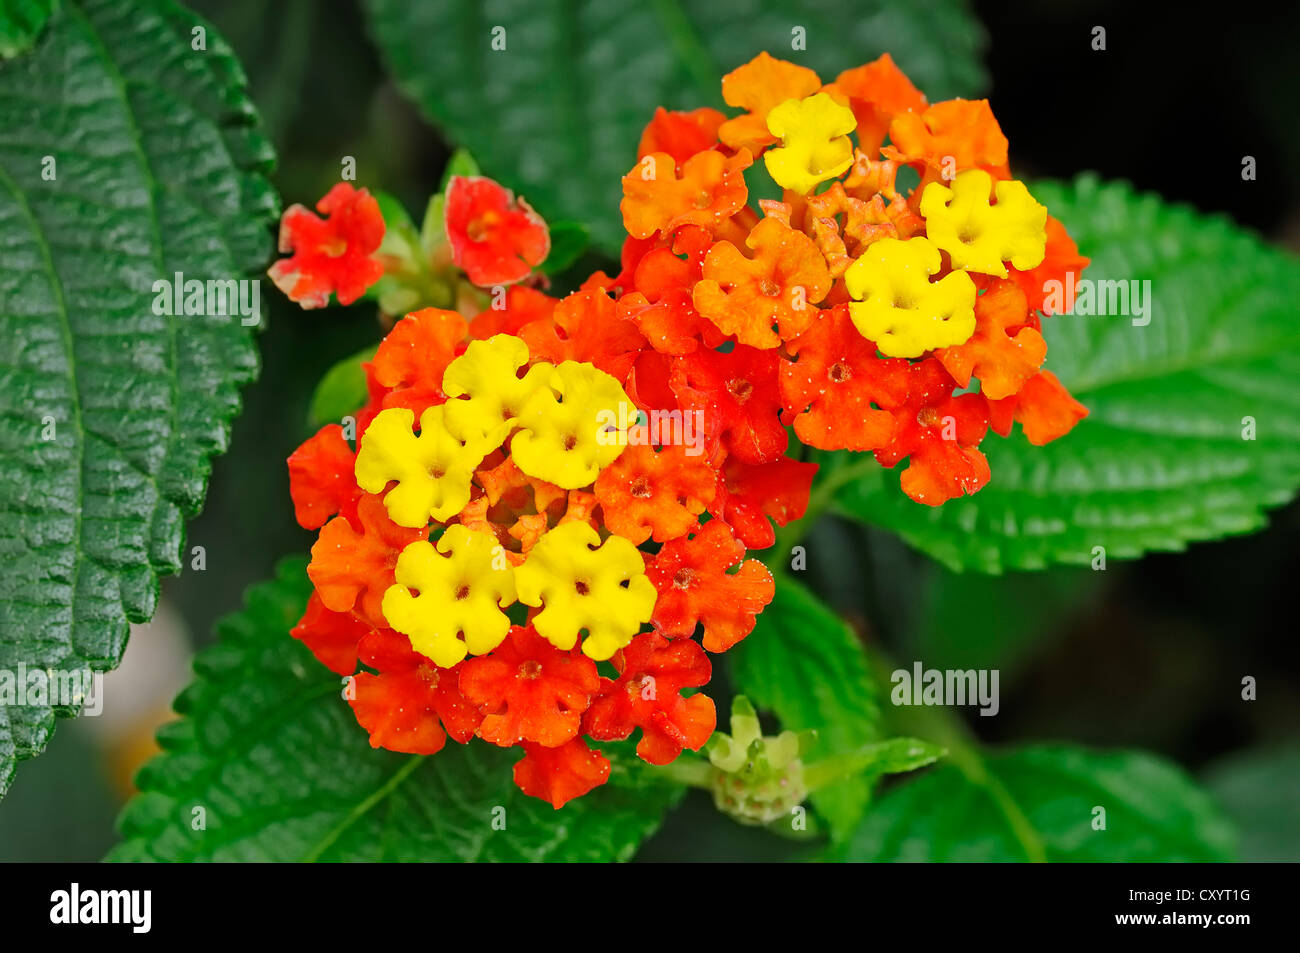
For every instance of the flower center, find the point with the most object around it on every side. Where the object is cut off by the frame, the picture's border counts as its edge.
(683, 578)
(840, 372)
(530, 668)
(640, 488)
(740, 389)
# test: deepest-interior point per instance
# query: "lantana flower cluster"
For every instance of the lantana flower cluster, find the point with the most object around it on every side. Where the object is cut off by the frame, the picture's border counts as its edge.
(545, 500)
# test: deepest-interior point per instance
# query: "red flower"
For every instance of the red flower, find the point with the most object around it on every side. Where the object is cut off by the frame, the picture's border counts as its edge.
(941, 435)
(321, 480)
(331, 636)
(749, 494)
(495, 239)
(737, 394)
(558, 775)
(412, 704)
(695, 586)
(529, 690)
(835, 378)
(331, 254)
(652, 673)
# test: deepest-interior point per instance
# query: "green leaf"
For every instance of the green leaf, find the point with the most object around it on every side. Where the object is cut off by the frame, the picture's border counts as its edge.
(895, 756)
(342, 391)
(568, 241)
(557, 114)
(1042, 799)
(273, 756)
(1258, 790)
(21, 22)
(803, 663)
(460, 163)
(1161, 460)
(126, 157)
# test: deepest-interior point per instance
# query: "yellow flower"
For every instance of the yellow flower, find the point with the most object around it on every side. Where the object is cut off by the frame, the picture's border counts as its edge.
(978, 236)
(568, 440)
(581, 583)
(897, 305)
(432, 470)
(488, 374)
(815, 145)
(454, 609)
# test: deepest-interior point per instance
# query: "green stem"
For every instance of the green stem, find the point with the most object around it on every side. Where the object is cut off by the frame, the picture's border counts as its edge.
(820, 500)
(692, 772)
(941, 726)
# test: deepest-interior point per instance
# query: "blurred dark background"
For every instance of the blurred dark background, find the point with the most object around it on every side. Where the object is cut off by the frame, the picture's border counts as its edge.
(1147, 654)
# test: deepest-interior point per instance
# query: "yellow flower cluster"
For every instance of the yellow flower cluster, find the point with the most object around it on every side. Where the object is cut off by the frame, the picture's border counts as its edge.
(449, 597)
(895, 303)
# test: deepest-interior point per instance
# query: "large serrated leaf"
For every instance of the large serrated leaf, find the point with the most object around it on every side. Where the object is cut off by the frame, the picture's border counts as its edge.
(558, 112)
(803, 663)
(1161, 460)
(126, 156)
(271, 754)
(1040, 803)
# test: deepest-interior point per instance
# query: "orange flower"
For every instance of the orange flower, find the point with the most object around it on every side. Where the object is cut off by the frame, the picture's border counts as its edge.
(353, 568)
(661, 306)
(680, 134)
(1043, 407)
(695, 586)
(529, 690)
(585, 327)
(829, 389)
(521, 305)
(710, 190)
(877, 92)
(660, 493)
(1060, 258)
(558, 775)
(411, 359)
(1004, 351)
(949, 137)
(782, 285)
(758, 87)
(411, 705)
